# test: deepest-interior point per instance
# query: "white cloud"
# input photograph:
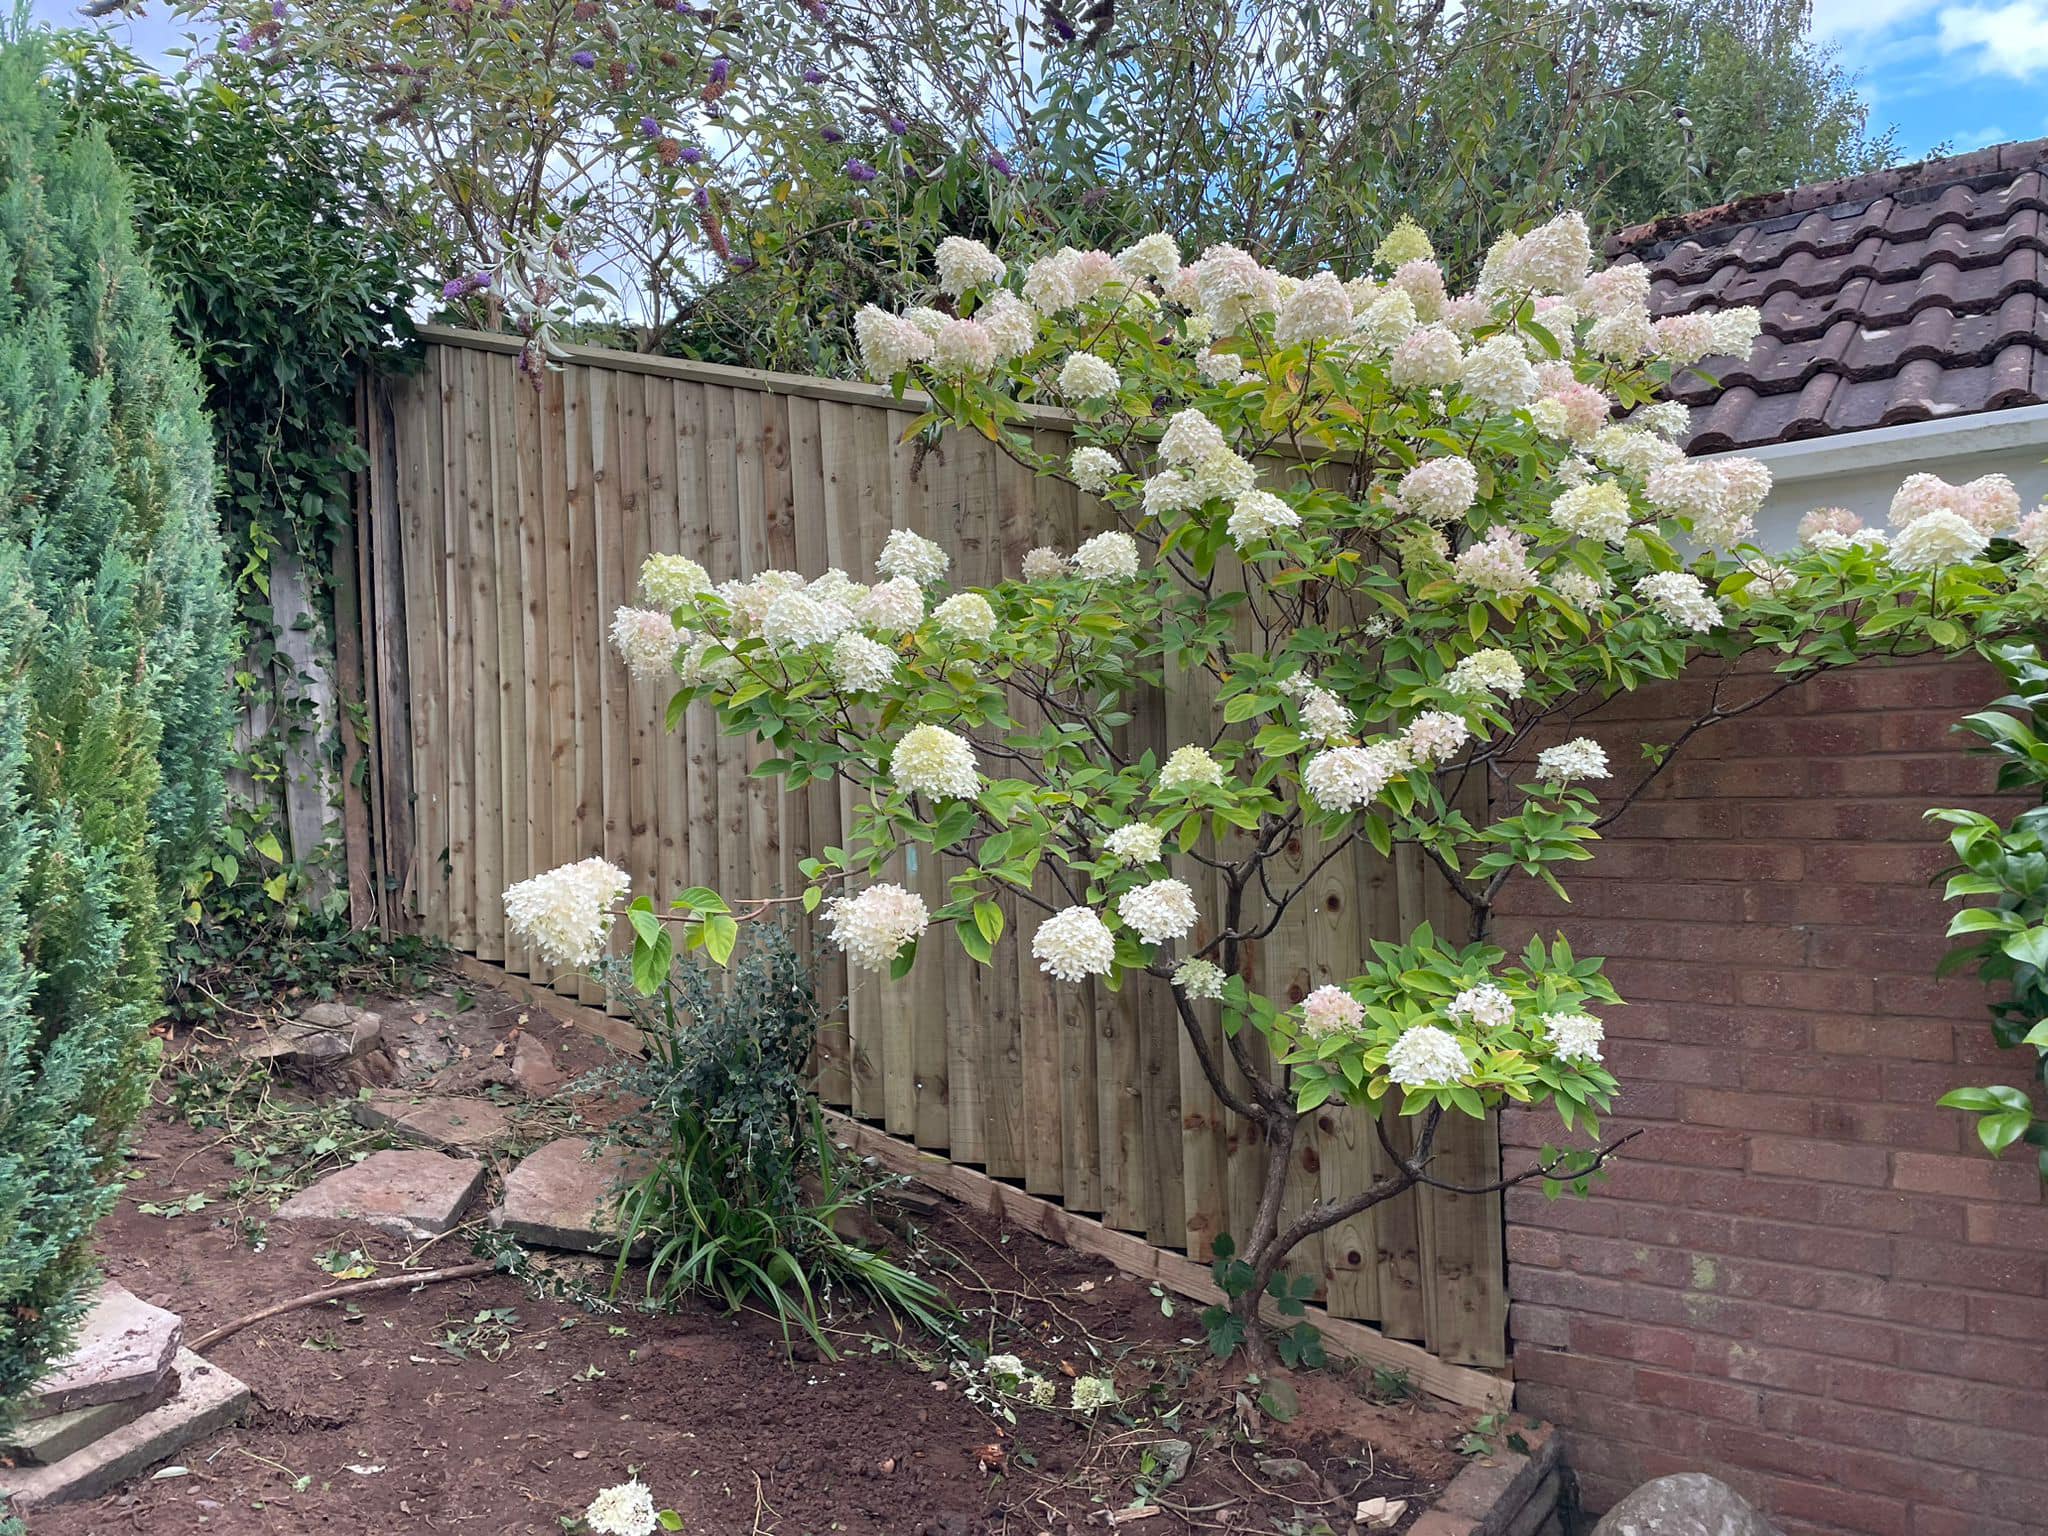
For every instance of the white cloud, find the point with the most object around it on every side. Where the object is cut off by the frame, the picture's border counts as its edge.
(1977, 139)
(2009, 39)
(1851, 18)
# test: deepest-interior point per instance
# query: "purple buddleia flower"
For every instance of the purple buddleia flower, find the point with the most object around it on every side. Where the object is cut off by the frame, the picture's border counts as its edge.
(463, 287)
(701, 197)
(814, 77)
(1062, 28)
(246, 43)
(744, 263)
(821, 10)
(830, 135)
(279, 9)
(1000, 164)
(721, 68)
(860, 170)
(691, 155)
(583, 58)
(651, 127)
(897, 126)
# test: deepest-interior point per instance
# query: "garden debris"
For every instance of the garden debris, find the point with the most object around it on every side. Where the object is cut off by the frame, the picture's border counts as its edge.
(325, 1038)
(122, 1353)
(562, 1197)
(1380, 1511)
(533, 1067)
(412, 1194)
(463, 1125)
(1173, 1457)
(206, 1398)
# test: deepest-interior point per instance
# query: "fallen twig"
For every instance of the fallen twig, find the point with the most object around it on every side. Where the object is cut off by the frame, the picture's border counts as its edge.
(338, 1293)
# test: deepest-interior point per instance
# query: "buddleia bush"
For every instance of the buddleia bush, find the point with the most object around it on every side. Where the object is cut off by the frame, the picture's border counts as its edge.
(113, 703)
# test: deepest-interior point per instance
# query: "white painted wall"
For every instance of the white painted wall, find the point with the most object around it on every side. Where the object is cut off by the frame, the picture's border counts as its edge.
(1861, 470)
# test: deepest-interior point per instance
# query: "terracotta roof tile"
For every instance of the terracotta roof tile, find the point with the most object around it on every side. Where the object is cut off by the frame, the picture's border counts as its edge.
(1902, 295)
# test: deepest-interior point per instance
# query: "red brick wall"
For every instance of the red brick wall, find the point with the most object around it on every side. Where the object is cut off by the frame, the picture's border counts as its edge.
(1803, 1277)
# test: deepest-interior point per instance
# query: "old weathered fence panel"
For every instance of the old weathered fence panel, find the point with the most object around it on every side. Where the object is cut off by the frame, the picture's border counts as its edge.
(503, 524)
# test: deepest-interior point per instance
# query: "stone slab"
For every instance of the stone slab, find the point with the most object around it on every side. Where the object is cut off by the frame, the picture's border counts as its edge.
(325, 1035)
(459, 1125)
(122, 1352)
(561, 1197)
(207, 1399)
(412, 1194)
(38, 1442)
(533, 1066)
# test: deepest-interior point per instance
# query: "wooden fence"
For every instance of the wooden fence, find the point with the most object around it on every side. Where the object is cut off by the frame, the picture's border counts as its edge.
(500, 526)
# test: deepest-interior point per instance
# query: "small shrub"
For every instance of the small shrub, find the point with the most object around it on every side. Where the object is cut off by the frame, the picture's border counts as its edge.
(745, 1187)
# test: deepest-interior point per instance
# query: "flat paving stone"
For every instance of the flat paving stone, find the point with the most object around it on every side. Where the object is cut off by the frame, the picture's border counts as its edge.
(561, 1197)
(460, 1125)
(533, 1066)
(414, 1194)
(207, 1398)
(325, 1035)
(38, 1442)
(122, 1352)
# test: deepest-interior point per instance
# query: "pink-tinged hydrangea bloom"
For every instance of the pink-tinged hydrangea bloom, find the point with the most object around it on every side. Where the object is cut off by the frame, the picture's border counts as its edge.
(1433, 737)
(1329, 1011)
(1045, 564)
(931, 760)
(565, 914)
(1231, 286)
(647, 641)
(1074, 944)
(1159, 911)
(873, 927)
(1828, 527)
(1428, 357)
(1423, 281)
(2032, 533)
(964, 348)
(1570, 761)
(1990, 503)
(1426, 1057)
(1439, 490)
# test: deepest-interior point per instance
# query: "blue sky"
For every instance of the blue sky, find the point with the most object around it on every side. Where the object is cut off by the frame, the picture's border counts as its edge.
(1968, 72)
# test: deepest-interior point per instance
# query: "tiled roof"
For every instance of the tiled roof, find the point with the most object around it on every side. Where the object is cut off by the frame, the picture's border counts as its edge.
(1902, 295)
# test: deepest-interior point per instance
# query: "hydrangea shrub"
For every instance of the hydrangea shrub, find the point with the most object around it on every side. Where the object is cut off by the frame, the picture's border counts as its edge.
(1404, 537)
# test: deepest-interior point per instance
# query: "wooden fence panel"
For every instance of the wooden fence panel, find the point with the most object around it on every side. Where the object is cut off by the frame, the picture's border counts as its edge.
(504, 522)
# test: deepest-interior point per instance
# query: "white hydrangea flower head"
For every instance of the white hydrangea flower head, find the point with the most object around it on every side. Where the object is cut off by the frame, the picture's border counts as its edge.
(2032, 534)
(1171, 490)
(1319, 310)
(1220, 368)
(1934, 541)
(861, 665)
(1190, 438)
(1160, 911)
(1484, 1005)
(1427, 1057)
(1621, 338)
(1107, 557)
(1666, 418)
(873, 926)
(1202, 979)
(1497, 374)
(1681, 599)
(1404, 243)
(1720, 497)
(965, 264)
(1570, 409)
(673, 581)
(964, 349)
(1093, 1392)
(1259, 515)
(1324, 716)
(1552, 258)
(1488, 671)
(966, 616)
(835, 586)
(888, 343)
(1347, 778)
(1631, 452)
(1041, 1392)
(1582, 591)
(1010, 322)
(1428, 357)
(1599, 509)
(1134, 843)
(1621, 290)
(1423, 281)
(1045, 564)
(1769, 579)
(1465, 314)
(1990, 503)
(1052, 283)
(706, 663)
(1439, 490)
(795, 621)
(892, 607)
(1092, 469)
(1074, 944)
(925, 318)
(1573, 1036)
(1433, 737)
(1330, 1011)
(565, 914)
(1388, 321)
(931, 760)
(1189, 768)
(1231, 286)
(747, 601)
(1497, 565)
(625, 1509)
(1570, 761)
(913, 555)
(1084, 376)
(1156, 257)
(647, 641)
(1002, 1368)
(1828, 522)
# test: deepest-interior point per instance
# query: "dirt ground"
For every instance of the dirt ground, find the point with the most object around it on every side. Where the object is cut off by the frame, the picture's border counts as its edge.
(498, 1405)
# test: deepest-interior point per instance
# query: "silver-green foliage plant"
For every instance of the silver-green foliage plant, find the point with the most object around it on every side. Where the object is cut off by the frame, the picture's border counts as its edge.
(1403, 538)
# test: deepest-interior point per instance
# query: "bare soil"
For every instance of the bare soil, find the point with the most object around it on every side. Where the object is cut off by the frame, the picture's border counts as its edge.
(491, 1405)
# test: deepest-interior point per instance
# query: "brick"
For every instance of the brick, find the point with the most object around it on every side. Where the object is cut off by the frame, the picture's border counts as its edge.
(1700, 1395)
(1827, 1334)
(1913, 1039)
(1969, 1266)
(2009, 1317)
(1923, 1127)
(1991, 1360)
(1826, 1160)
(1669, 1347)
(1811, 991)
(2007, 1226)
(1813, 1076)
(1795, 1499)
(1748, 1111)
(1967, 1177)
(1877, 1210)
